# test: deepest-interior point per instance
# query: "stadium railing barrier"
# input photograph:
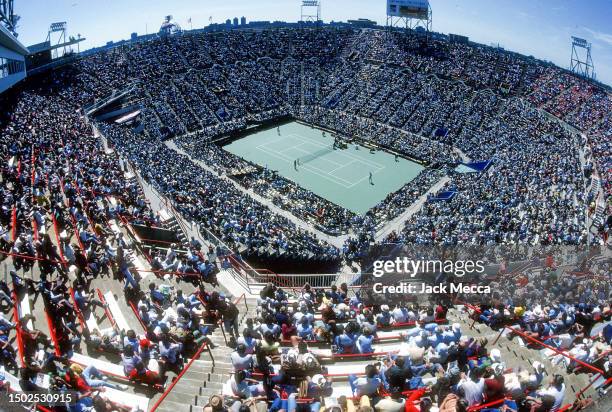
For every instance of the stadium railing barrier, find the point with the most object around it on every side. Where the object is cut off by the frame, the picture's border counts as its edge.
(537, 342)
(182, 373)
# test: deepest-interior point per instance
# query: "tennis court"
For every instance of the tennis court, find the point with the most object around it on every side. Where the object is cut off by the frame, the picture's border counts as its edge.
(305, 156)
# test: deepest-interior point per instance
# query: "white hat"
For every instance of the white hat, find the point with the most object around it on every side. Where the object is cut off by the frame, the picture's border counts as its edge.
(495, 355)
(384, 308)
(319, 380)
(456, 327)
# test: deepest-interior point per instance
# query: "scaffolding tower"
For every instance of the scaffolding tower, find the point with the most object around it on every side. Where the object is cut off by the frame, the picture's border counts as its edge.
(582, 63)
(310, 11)
(7, 16)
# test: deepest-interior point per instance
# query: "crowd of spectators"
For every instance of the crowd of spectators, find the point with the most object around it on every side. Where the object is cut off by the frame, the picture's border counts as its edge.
(63, 192)
(66, 203)
(440, 102)
(406, 357)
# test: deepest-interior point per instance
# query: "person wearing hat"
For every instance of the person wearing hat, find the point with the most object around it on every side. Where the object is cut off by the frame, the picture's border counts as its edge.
(215, 404)
(384, 318)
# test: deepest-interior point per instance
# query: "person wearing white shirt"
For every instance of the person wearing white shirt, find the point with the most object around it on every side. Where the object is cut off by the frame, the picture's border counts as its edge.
(556, 391)
(473, 388)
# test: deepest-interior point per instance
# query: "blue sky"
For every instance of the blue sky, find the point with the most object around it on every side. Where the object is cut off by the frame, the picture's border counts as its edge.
(538, 27)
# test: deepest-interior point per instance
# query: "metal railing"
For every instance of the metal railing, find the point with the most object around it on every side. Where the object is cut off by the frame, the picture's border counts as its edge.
(182, 373)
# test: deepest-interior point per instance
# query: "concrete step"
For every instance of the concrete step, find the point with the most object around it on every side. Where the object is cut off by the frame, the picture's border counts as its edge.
(196, 375)
(189, 382)
(171, 406)
(217, 377)
(213, 385)
(200, 368)
(203, 399)
(179, 395)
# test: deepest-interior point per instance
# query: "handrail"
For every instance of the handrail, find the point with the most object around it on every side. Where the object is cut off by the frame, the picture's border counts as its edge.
(144, 327)
(20, 349)
(586, 388)
(243, 296)
(28, 257)
(357, 355)
(52, 332)
(486, 405)
(57, 239)
(532, 339)
(537, 341)
(109, 315)
(180, 375)
(78, 310)
(14, 223)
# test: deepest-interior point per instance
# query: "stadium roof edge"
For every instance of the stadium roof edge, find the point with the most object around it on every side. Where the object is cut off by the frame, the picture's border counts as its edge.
(8, 40)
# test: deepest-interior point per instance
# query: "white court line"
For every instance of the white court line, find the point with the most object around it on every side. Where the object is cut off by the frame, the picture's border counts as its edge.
(292, 148)
(343, 166)
(365, 161)
(310, 167)
(311, 171)
(348, 185)
(279, 154)
(301, 138)
(278, 139)
(320, 158)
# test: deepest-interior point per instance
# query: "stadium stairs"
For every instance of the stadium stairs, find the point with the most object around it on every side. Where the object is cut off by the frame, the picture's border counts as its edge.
(518, 356)
(205, 377)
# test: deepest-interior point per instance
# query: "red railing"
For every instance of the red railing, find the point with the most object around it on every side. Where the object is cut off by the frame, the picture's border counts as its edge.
(14, 223)
(180, 375)
(18, 328)
(109, 315)
(78, 310)
(536, 341)
(53, 333)
(135, 310)
(57, 239)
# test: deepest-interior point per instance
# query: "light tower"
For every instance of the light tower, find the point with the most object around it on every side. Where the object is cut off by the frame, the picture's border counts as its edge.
(311, 11)
(409, 14)
(582, 63)
(56, 36)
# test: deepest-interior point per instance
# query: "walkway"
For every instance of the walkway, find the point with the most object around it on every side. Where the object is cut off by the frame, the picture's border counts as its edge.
(398, 223)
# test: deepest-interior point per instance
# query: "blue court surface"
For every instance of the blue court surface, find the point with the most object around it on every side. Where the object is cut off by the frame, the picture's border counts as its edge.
(305, 156)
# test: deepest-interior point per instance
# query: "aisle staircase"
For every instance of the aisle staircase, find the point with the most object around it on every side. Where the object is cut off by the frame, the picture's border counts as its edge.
(206, 377)
(518, 356)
